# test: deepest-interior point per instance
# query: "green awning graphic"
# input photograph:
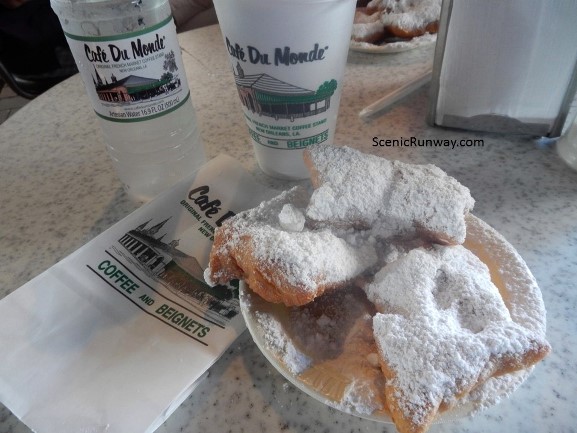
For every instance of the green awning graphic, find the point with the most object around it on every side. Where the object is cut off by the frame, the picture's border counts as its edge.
(152, 85)
(267, 98)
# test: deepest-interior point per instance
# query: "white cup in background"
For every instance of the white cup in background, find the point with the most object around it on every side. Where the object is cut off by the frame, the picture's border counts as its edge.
(288, 58)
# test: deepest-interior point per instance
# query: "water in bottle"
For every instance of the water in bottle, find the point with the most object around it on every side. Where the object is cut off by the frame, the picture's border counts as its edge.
(130, 61)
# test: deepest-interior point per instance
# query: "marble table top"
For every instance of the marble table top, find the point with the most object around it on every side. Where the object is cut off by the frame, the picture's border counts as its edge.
(58, 190)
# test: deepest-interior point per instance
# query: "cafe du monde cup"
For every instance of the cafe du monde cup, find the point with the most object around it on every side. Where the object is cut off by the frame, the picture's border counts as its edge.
(288, 58)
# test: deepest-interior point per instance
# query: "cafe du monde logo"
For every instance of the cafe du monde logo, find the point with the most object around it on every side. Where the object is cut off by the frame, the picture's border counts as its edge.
(266, 95)
(130, 61)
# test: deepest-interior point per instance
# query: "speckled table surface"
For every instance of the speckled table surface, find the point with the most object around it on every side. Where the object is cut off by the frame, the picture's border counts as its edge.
(58, 191)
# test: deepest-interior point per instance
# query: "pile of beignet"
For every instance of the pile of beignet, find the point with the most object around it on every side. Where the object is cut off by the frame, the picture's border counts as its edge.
(381, 21)
(394, 229)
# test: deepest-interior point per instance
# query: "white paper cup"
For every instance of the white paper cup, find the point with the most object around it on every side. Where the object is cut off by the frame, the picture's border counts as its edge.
(288, 59)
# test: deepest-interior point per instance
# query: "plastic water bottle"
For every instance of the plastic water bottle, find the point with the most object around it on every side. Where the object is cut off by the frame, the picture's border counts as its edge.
(128, 56)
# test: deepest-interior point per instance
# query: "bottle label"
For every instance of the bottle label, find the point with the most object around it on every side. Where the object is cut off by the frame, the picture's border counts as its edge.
(289, 83)
(134, 76)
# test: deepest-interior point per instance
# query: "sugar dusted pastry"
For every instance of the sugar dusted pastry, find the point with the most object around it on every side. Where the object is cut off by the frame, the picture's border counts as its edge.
(281, 260)
(368, 27)
(408, 18)
(382, 20)
(374, 254)
(390, 197)
(443, 329)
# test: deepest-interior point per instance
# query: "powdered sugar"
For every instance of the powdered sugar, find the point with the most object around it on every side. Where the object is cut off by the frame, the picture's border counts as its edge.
(311, 258)
(291, 218)
(426, 373)
(445, 321)
(389, 197)
(367, 31)
(523, 297)
(366, 27)
(494, 390)
(407, 14)
(392, 47)
(383, 19)
(443, 280)
(273, 237)
(441, 325)
(277, 341)
(525, 306)
(359, 396)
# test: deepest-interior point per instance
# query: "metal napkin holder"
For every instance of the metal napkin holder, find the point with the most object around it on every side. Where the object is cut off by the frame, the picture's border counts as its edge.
(506, 66)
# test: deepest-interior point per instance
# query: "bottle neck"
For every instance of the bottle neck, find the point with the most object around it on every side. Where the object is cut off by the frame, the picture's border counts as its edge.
(109, 17)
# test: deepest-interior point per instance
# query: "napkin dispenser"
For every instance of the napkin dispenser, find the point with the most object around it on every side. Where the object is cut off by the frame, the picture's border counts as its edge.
(507, 66)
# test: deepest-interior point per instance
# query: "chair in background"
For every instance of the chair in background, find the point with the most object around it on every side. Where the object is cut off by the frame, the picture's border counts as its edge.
(34, 54)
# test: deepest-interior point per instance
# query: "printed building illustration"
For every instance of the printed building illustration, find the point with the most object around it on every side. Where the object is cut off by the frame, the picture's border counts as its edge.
(150, 252)
(267, 96)
(132, 88)
(181, 273)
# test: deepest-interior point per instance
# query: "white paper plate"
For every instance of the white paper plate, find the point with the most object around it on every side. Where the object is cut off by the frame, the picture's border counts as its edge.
(509, 273)
(394, 47)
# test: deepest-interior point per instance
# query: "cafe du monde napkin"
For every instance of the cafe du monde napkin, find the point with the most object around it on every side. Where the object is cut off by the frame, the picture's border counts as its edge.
(115, 336)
